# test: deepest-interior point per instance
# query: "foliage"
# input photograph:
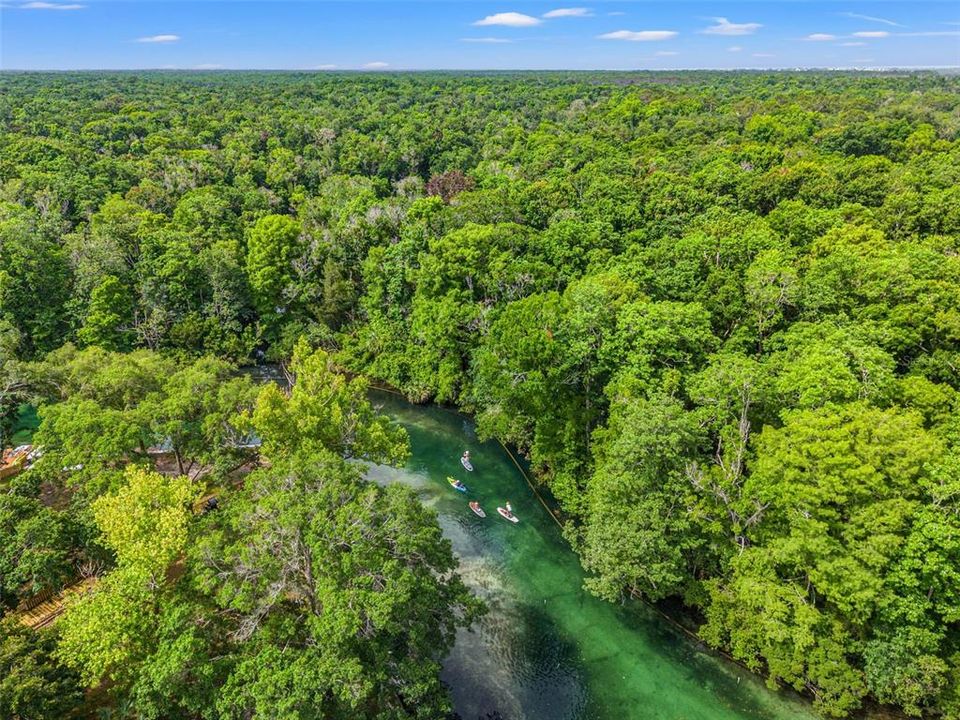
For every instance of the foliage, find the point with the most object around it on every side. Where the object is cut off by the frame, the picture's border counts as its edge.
(145, 524)
(719, 313)
(271, 249)
(36, 547)
(34, 685)
(109, 408)
(343, 595)
(324, 409)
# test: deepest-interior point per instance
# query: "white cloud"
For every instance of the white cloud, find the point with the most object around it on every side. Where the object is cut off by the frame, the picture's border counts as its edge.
(208, 66)
(820, 37)
(638, 35)
(569, 12)
(763, 55)
(871, 18)
(159, 39)
(871, 34)
(666, 53)
(725, 27)
(376, 65)
(486, 40)
(510, 19)
(51, 6)
(852, 44)
(327, 66)
(734, 48)
(616, 13)
(938, 33)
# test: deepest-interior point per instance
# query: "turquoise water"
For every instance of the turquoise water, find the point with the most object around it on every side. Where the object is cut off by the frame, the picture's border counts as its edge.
(24, 426)
(548, 650)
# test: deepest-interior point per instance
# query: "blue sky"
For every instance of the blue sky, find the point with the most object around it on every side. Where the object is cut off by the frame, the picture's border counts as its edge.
(492, 34)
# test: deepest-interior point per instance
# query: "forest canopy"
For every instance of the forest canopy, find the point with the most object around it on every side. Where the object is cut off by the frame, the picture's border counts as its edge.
(719, 313)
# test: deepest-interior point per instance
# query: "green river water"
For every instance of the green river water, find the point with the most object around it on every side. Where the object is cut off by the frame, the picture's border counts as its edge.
(548, 650)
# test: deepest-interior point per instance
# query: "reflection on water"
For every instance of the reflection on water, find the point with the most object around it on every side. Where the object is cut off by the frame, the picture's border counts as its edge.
(547, 650)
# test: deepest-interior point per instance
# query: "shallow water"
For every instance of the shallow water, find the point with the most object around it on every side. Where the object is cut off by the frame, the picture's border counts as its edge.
(548, 650)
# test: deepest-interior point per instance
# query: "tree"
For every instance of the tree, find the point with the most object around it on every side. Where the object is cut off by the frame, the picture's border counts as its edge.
(448, 184)
(116, 406)
(109, 317)
(768, 623)
(732, 393)
(271, 248)
(815, 364)
(656, 341)
(106, 633)
(14, 380)
(771, 286)
(35, 281)
(906, 669)
(323, 409)
(513, 387)
(36, 548)
(110, 246)
(34, 685)
(87, 441)
(198, 413)
(172, 288)
(839, 487)
(638, 532)
(145, 521)
(343, 592)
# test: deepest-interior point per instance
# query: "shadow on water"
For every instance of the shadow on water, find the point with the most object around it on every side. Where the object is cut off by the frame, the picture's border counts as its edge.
(548, 650)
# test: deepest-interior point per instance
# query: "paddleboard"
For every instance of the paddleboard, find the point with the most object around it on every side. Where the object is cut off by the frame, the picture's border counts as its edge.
(457, 485)
(475, 506)
(508, 515)
(466, 463)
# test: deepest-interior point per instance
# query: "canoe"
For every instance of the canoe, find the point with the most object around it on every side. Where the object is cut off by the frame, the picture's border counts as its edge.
(508, 515)
(466, 464)
(457, 485)
(475, 506)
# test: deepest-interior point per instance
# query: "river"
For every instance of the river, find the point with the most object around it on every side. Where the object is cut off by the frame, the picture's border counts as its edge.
(548, 650)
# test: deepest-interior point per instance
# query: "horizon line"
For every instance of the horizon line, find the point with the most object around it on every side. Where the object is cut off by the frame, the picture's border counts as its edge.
(388, 71)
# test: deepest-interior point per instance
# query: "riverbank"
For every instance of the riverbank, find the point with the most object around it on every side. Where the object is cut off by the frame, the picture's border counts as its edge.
(548, 649)
(560, 583)
(678, 617)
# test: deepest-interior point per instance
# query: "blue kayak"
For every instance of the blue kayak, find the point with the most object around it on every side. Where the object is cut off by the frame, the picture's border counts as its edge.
(457, 485)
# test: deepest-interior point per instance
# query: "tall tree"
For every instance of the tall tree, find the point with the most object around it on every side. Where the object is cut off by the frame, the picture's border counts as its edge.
(344, 595)
(271, 248)
(34, 685)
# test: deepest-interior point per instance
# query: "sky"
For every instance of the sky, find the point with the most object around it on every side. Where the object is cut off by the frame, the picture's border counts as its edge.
(389, 35)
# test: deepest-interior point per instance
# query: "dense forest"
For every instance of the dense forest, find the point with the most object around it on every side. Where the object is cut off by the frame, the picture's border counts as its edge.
(719, 313)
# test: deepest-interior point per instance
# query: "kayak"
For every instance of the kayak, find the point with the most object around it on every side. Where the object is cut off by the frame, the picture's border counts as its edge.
(508, 515)
(475, 506)
(466, 464)
(457, 485)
